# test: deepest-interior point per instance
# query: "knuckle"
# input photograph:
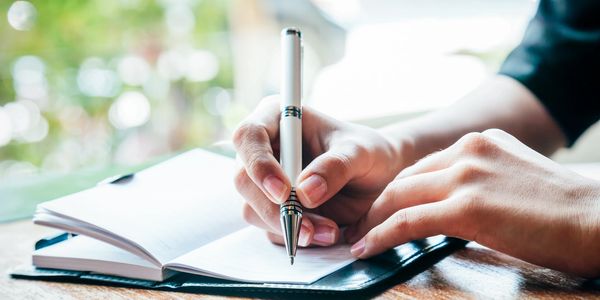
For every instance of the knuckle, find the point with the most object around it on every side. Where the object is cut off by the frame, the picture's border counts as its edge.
(468, 215)
(239, 133)
(274, 238)
(257, 163)
(387, 194)
(401, 222)
(391, 189)
(340, 162)
(468, 172)
(357, 150)
(375, 236)
(248, 213)
(270, 214)
(363, 158)
(470, 203)
(478, 144)
(469, 138)
(246, 130)
(495, 132)
(240, 177)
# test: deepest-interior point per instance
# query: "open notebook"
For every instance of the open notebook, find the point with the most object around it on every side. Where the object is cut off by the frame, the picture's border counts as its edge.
(182, 215)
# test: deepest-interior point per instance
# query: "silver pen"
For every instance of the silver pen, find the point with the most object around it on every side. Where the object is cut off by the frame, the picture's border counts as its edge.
(290, 134)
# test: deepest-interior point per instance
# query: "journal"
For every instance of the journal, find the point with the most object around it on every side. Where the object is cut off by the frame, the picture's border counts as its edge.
(177, 226)
(182, 215)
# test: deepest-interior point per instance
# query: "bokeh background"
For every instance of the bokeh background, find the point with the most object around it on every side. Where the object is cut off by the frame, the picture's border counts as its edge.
(98, 82)
(93, 88)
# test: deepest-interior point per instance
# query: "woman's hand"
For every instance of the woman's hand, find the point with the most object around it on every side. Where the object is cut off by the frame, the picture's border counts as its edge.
(490, 188)
(347, 167)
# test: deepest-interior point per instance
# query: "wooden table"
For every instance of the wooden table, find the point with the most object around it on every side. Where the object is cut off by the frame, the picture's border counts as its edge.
(475, 272)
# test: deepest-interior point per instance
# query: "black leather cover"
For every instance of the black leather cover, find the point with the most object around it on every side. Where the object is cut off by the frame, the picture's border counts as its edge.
(363, 276)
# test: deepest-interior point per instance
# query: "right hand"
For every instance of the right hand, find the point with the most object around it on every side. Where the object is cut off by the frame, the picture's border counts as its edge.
(346, 167)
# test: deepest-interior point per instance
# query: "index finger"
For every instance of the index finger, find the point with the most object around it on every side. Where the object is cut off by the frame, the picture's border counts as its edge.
(401, 194)
(253, 142)
(405, 225)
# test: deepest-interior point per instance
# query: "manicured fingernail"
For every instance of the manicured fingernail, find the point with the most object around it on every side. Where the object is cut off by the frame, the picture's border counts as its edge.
(324, 235)
(304, 236)
(358, 248)
(275, 187)
(314, 188)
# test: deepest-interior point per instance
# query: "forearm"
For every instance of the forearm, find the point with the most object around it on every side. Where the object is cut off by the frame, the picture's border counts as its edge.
(501, 102)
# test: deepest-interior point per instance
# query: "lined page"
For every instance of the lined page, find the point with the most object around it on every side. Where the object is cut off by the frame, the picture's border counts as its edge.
(248, 255)
(168, 209)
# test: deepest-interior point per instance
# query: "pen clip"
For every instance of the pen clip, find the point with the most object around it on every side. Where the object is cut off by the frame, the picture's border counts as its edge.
(117, 179)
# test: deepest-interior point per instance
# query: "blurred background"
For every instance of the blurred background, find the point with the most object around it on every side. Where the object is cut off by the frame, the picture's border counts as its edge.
(93, 88)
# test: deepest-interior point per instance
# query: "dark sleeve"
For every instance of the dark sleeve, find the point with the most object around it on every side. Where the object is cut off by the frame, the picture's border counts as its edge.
(558, 60)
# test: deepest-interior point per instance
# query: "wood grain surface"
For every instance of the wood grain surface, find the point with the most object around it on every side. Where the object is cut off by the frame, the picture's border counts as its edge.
(475, 272)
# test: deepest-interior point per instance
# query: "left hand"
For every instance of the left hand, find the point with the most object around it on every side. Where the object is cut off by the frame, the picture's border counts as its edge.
(490, 188)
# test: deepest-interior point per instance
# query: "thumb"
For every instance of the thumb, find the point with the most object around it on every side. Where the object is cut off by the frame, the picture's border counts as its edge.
(329, 172)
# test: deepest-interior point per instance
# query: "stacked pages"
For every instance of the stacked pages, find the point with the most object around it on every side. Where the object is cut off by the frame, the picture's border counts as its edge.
(182, 215)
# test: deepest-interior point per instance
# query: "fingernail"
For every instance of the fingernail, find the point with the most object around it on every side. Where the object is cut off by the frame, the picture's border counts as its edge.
(275, 187)
(324, 235)
(304, 235)
(358, 248)
(314, 187)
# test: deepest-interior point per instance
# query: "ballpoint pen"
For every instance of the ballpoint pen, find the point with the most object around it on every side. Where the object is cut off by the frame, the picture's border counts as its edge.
(290, 134)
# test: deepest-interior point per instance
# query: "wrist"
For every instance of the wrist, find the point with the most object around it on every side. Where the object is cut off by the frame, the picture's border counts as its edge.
(590, 230)
(595, 223)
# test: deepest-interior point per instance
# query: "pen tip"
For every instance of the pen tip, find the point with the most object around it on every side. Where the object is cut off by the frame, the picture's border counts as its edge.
(291, 260)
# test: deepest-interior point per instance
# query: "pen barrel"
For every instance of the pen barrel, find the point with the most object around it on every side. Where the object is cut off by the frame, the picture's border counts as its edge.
(290, 134)
(290, 141)
(290, 127)
(291, 67)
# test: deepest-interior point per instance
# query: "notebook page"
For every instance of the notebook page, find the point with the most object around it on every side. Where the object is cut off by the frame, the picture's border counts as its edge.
(168, 209)
(248, 255)
(82, 253)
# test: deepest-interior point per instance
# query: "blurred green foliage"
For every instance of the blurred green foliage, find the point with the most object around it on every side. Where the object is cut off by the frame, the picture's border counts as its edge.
(68, 32)
(80, 135)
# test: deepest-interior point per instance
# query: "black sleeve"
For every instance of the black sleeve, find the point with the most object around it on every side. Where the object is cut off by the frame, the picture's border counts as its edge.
(559, 61)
